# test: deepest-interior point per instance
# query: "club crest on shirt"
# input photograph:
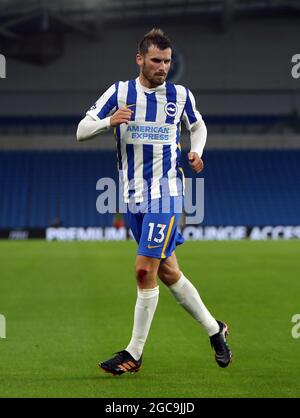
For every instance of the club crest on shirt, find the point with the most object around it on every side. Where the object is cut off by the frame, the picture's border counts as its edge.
(171, 109)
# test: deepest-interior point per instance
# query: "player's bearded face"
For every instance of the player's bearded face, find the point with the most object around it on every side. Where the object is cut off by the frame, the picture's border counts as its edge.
(156, 65)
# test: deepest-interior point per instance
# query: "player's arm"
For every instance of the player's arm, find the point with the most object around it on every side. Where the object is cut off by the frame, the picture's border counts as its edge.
(102, 115)
(89, 127)
(198, 133)
(97, 118)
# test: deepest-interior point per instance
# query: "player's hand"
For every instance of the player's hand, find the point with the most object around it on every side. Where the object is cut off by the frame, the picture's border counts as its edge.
(195, 162)
(122, 115)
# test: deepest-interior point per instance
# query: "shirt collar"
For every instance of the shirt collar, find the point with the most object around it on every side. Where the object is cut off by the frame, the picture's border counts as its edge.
(147, 90)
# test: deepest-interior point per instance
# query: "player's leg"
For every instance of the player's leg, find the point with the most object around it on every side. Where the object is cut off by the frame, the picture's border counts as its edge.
(157, 235)
(188, 297)
(146, 271)
(169, 271)
(186, 294)
(146, 303)
(146, 268)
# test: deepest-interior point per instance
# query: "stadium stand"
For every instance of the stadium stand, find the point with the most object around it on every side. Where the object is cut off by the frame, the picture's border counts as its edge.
(241, 187)
(234, 56)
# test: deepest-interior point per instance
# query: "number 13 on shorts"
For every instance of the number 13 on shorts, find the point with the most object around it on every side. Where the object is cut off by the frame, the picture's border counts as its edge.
(159, 238)
(159, 234)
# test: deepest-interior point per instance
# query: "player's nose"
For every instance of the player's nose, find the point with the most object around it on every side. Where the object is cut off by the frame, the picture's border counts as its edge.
(162, 67)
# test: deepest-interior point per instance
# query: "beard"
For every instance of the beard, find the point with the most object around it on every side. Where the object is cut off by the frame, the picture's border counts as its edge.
(154, 80)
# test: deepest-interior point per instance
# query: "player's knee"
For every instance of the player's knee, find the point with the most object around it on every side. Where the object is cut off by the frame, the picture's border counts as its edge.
(162, 274)
(145, 277)
(169, 276)
(141, 273)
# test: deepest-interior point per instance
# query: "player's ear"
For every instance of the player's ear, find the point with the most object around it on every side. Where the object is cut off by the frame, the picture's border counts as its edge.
(139, 59)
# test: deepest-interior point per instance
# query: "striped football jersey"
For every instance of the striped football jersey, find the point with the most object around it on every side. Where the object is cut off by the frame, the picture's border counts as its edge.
(148, 148)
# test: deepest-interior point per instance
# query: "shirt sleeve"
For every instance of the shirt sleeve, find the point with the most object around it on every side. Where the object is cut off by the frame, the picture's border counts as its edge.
(190, 113)
(198, 137)
(89, 127)
(106, 105)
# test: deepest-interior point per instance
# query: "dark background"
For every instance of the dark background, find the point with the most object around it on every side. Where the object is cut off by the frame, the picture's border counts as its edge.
(235, 56)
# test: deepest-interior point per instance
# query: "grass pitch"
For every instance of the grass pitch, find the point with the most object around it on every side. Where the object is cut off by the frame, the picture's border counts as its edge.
(70, 305)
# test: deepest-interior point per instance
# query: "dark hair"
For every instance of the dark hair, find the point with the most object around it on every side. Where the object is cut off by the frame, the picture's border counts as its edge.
(155, 37)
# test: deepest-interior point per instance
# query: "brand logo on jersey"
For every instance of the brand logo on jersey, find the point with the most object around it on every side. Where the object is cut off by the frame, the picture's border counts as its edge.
(160, 133)
(171, 109)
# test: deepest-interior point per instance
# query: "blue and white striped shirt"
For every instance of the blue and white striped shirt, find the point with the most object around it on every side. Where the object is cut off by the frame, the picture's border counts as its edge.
(148, 147)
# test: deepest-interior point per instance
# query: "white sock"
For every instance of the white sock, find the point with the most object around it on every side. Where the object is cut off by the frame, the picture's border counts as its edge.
(187, 296)
(145, 307)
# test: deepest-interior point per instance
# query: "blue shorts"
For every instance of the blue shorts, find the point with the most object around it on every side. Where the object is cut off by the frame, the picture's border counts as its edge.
(156, 229)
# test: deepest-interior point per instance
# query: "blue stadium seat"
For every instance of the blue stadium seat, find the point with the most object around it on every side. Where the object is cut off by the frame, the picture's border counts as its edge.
(241, 187)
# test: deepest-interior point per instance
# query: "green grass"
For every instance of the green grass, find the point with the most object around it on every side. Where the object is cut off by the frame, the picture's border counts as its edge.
(69, 305)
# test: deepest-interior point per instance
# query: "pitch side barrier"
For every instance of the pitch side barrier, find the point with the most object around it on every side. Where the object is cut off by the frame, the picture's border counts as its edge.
(190, 233)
